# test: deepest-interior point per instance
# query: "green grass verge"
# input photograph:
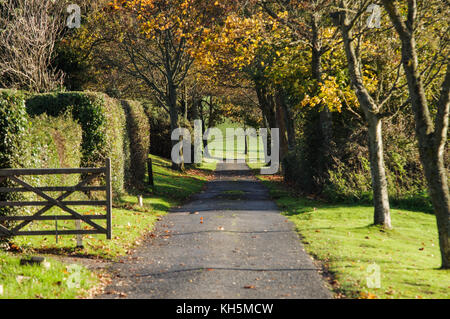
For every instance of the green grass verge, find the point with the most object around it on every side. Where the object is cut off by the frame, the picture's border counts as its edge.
(346, 243)
(130, 223)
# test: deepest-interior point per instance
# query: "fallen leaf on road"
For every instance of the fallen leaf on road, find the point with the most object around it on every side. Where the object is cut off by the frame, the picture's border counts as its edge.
(249, 287)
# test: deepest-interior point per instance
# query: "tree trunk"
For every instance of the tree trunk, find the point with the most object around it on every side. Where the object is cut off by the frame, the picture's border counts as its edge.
(202, 118)
(437, 180)
(174, 120)
(432, 138)
(267, 146)
(267, 106)
(245, 142)
(431, 149)
(371, 110)
(289, 123)
(377, 169)
(326, 119)
(281, 124)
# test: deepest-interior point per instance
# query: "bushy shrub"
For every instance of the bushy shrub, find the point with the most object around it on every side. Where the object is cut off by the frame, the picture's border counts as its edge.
(305, 165)
(349, 178)
(139, 135)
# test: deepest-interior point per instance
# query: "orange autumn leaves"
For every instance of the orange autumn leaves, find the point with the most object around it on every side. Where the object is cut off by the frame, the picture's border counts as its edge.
(186, 20)
(226, 44)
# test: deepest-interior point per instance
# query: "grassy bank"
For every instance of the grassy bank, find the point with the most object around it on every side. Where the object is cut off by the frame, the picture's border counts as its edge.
(346, 243)
(130, 223)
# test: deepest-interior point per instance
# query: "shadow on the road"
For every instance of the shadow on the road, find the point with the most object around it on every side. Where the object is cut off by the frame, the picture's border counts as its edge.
(163, 273)
(233, 231)
(228, 206)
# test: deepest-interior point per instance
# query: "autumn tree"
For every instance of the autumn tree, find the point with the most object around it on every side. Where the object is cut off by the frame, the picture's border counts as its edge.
(309, 23)
(152, 41)
(409, 21)
(371, 97)
(245, 46)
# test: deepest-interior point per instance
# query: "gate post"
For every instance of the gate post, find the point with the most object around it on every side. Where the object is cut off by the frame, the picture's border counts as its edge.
(108, 199)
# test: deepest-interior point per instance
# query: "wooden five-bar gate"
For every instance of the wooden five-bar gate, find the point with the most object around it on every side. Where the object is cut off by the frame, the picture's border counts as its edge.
(87, 175)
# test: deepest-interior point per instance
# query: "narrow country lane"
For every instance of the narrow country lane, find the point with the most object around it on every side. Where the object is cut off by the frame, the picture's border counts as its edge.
(230, 241)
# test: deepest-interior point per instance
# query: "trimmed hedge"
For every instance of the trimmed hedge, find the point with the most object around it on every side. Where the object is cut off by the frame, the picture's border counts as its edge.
(139, 134)
(35, 142)
(74, 129)
(102, 120)
(14, 124)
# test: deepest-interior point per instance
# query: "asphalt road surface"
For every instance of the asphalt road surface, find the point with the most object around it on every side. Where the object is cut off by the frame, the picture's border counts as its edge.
(230, 241)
